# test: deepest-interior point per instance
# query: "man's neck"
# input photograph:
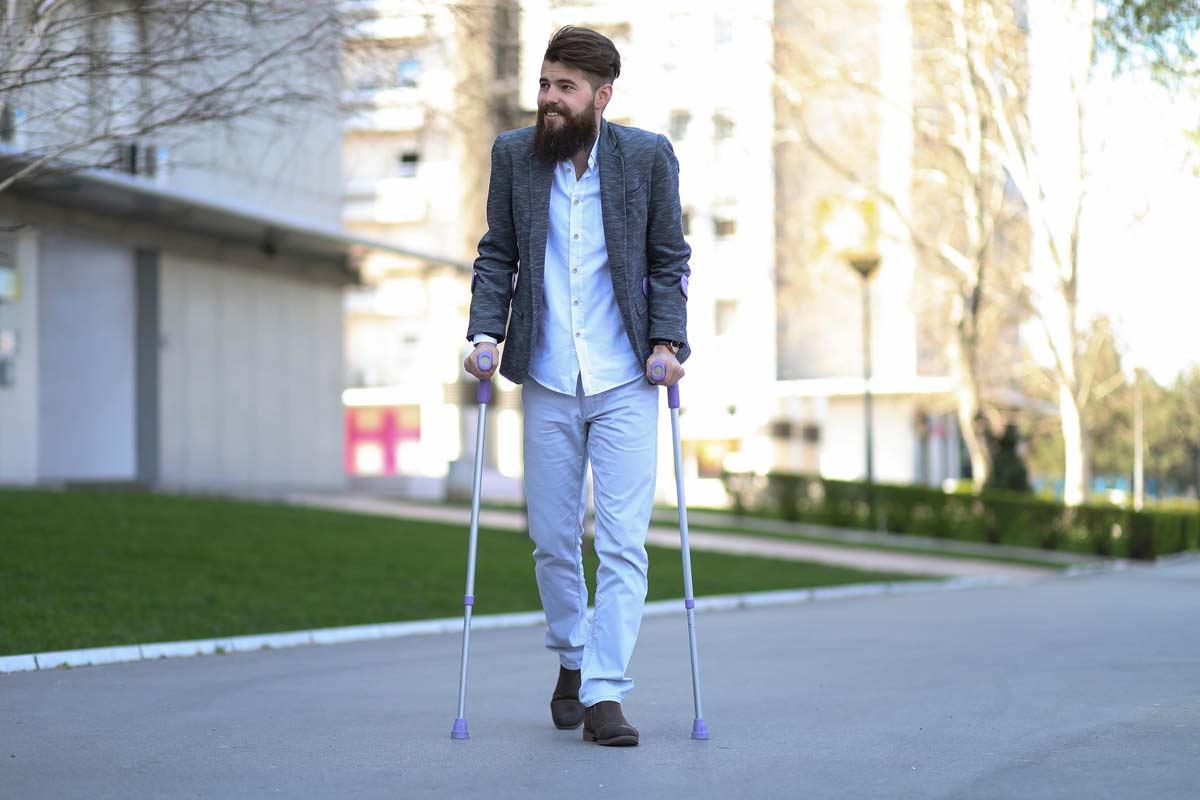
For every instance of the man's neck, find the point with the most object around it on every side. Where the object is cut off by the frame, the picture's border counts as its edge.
(581, 158)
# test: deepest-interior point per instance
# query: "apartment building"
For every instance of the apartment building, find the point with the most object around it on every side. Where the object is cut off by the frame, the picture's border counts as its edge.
(174, 320)
(429, 86)
(775, 320)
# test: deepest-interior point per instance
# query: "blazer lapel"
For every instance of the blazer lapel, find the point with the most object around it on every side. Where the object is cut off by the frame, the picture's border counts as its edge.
(541, 178)
(612, 206)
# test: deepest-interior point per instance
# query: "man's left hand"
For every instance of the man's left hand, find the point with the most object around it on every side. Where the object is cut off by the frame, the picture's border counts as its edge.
(674, 370)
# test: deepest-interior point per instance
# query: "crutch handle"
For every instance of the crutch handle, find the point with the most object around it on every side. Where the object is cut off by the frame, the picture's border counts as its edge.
(658, 371)
(484, 394)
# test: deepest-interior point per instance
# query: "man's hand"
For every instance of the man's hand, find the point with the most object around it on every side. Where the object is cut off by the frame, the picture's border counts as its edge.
(472, 362)
(674, 370)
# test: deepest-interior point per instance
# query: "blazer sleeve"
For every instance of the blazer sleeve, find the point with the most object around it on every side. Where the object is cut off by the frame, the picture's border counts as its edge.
(667, 253)
(493, 271)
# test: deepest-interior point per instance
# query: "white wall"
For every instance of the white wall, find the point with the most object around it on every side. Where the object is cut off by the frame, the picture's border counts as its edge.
(85, 358)
(843, 439)
(18, 403)
(251, 376)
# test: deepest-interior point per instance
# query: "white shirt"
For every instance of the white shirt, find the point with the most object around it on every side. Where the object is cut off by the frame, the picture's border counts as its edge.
(582, 337)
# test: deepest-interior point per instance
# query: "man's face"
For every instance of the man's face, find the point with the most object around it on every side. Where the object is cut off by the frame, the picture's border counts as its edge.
(567, 108)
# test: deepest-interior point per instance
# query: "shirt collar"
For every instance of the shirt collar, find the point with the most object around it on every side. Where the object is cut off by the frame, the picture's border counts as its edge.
(592, 154)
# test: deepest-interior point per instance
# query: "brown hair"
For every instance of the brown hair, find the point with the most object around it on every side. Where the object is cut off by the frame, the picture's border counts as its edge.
(586, 50)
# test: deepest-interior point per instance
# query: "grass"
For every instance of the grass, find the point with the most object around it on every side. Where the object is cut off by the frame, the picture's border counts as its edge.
(88, 569)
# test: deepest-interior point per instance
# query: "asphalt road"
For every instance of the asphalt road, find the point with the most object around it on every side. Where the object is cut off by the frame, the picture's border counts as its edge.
(1059, 687)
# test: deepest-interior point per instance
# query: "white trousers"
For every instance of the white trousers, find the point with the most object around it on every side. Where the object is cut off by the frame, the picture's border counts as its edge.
(617, 432)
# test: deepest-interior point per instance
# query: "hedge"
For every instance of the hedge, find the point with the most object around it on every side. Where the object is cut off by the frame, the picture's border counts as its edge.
(994, 516)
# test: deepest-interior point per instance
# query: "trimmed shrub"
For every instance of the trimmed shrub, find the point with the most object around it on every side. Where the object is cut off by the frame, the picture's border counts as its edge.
(994, 516)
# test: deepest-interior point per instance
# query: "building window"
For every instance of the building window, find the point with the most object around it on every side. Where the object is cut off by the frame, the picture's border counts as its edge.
(724, 227)
(679, 125)
(408, 73)
(723, 30)
(725, 313)
(722, 127)
(407, 164)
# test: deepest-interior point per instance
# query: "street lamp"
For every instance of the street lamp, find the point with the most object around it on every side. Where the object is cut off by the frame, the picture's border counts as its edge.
(850, 229)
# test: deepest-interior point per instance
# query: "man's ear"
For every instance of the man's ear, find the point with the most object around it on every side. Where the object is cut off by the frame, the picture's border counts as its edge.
(603, 95)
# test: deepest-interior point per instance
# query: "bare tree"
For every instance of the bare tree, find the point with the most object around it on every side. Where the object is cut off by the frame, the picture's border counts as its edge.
(966, 225)
(80, 77)
(988, 153)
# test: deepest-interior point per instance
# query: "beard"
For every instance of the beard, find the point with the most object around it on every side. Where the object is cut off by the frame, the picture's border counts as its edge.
(564, 140)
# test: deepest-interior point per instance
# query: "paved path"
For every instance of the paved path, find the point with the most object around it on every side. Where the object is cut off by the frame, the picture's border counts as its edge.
(734, 543)
(1079, 687)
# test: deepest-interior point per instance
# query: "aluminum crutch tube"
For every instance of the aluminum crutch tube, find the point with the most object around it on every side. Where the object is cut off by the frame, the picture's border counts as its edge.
(658, 371)
(484, 395)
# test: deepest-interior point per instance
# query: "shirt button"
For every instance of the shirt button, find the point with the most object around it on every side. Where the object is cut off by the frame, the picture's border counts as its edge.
(576, 302)
(577, 334)
(575, 270)
(577, 202)
(577, 236)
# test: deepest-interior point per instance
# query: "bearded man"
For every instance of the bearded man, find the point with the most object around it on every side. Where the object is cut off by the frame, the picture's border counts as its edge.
(583, 275)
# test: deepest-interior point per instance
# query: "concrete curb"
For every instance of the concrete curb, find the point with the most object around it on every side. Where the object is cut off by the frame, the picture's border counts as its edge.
(97, 656)
(1103, 568)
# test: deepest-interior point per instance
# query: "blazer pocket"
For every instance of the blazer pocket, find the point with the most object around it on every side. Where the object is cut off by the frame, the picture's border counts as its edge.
(636, 193)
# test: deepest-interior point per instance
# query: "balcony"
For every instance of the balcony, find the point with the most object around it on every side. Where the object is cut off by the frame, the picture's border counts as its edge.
(389, 201)
(385, 110)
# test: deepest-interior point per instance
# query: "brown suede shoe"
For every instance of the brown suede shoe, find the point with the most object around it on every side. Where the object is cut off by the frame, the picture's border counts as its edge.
(604, 724)
(565, 708)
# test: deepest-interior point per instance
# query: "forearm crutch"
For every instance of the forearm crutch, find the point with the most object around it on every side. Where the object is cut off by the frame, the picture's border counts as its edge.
(484, 394)
(658, 370)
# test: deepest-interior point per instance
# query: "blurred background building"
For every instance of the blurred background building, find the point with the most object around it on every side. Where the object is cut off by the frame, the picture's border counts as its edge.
(281, 303)
(173, 312)
(775, 381)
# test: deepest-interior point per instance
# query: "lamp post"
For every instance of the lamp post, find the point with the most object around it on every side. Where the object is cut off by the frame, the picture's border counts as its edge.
(866, 266)
(850, 228)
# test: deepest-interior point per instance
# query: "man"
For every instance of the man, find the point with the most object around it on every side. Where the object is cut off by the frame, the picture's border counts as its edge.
(585, 243)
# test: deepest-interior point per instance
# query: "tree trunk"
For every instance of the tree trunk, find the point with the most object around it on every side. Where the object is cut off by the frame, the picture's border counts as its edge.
(1075, 476)
(969, 409)
(977, 449)
(964, 359)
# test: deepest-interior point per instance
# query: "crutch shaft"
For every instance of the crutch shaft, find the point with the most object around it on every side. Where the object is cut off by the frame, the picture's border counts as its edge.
(459, 730)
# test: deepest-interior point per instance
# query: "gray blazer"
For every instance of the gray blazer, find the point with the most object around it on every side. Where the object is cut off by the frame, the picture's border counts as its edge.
(643, 228)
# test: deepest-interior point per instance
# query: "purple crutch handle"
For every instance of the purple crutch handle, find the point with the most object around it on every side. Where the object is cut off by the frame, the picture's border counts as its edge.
(658, 371)
(484, 394)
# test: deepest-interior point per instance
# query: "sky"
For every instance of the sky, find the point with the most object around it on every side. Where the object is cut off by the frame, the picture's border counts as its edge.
(1139, 262)
(1139, 246)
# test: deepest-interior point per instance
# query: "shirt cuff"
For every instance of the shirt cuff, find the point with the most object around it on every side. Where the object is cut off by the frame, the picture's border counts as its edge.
(483, 337)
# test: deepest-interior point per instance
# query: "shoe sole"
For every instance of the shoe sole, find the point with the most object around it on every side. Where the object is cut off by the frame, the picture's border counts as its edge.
(574, 727)
(615, 741)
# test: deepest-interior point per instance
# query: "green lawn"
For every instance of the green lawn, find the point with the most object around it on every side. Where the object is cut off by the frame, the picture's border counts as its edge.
(87, 569)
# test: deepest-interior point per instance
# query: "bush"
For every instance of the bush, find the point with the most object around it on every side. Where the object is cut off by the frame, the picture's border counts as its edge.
(994, 516)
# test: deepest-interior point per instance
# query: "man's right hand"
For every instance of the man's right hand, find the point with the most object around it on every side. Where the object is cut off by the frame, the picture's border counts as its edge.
(472, 362)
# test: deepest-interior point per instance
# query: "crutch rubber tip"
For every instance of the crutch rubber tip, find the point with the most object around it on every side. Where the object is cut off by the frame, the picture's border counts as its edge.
(700, 730)
(459, 731)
